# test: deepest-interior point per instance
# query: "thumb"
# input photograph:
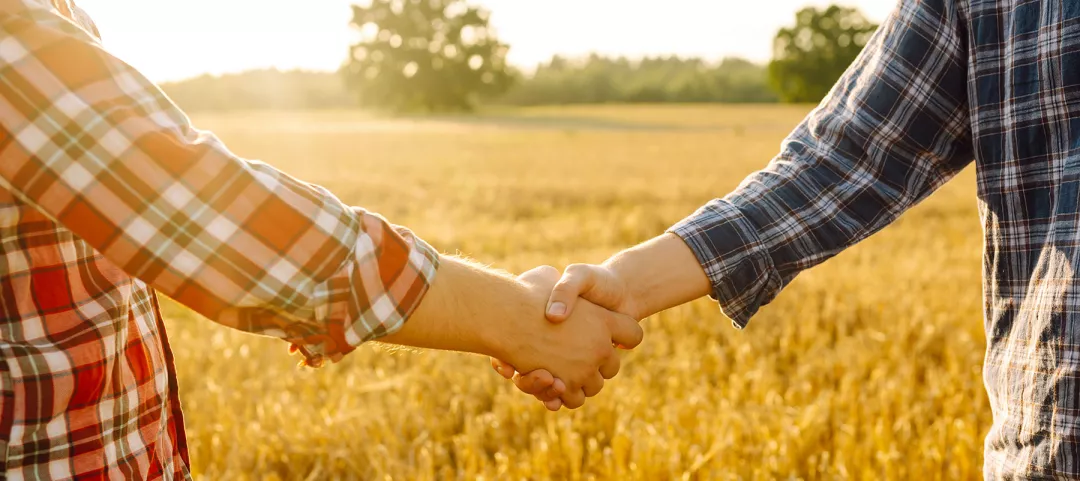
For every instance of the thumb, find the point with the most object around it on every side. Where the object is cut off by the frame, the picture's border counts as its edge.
(592, 283)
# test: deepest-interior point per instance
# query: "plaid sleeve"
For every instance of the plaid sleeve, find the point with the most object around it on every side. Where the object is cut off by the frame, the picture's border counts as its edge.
(97, 147)
(894, 128)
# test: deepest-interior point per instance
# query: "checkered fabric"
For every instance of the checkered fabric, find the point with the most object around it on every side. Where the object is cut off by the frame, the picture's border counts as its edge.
(941, 82)
(107, 193)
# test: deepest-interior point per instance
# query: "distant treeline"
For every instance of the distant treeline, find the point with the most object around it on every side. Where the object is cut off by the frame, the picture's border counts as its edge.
(664, 79)
(595, 79)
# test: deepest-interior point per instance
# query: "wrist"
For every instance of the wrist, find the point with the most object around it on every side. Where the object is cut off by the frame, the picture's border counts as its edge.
(502, 338)
(635, 298)
(659, 274)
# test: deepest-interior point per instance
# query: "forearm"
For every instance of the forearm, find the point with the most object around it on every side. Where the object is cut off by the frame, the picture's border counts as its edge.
(659, 274)
(464, 310)
(234, 239)
(871, 150)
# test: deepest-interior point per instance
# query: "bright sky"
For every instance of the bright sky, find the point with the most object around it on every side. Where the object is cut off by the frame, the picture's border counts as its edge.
(173, 39)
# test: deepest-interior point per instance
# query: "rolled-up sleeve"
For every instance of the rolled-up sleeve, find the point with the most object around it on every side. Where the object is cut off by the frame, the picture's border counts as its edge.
(894, 128)
(95, 146)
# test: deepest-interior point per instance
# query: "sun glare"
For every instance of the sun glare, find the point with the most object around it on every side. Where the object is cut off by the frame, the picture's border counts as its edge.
(173, 39)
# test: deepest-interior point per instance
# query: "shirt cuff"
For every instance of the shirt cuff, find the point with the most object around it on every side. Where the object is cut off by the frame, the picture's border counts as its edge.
(738, 265)
(373, 295)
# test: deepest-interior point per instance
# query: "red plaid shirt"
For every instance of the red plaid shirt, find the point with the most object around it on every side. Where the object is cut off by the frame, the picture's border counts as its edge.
(107, 193)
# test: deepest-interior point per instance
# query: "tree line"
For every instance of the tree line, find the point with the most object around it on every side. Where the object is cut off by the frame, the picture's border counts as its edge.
(439, 55)
(598, 79)
(561, 81)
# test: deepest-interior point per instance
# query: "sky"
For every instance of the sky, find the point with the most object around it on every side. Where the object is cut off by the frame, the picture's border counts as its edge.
(175, 39)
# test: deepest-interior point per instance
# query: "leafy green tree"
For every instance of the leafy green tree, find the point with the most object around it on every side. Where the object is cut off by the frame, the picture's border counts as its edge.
(425, 55)
(810, 57)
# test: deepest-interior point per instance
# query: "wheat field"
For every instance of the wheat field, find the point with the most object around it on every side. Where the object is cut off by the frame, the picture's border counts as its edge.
(866, 367)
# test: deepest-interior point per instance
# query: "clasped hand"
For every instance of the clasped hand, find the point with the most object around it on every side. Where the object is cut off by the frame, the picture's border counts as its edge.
(591, 305)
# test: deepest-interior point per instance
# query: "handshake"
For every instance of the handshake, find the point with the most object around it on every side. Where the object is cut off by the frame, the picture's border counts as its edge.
(557, 337)
(592, 315)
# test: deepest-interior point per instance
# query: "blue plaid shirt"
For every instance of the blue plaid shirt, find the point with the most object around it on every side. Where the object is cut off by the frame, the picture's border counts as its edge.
(941, 83)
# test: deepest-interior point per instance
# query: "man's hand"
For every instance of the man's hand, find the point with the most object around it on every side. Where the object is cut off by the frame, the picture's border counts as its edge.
(591, 283)
(638, 282)
(597, 284)
(578, 350)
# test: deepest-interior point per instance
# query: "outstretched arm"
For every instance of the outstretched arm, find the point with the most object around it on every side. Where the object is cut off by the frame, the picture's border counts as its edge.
(895, 128)
(96, 147)
(99, 149)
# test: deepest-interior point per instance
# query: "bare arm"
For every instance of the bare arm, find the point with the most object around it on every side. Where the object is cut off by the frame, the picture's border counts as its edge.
(98, 148)
(895, 128)
(472, 309)
(659, 274)
(450, 319)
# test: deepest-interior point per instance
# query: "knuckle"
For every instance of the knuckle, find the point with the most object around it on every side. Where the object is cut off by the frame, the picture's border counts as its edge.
(582, 273)
(567, 286)
(548, 270)
(576, 272)
(577, 269)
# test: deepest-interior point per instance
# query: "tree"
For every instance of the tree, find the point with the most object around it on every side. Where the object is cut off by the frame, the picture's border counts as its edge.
(425, 55)
(809, 57)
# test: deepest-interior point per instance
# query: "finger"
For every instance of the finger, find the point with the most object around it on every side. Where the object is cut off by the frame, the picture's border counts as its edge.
(505, 370)
(552, 392)
(534, 382)
(625, 331)
(596, 284)
(553, 405)
(593, 386)
(573, 398)
(575, 281)
(611, 367)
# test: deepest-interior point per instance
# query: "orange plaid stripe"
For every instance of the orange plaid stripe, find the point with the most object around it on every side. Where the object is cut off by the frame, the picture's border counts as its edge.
(107, 193)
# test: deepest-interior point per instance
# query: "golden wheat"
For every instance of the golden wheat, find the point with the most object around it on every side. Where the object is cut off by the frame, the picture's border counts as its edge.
(867, 367)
